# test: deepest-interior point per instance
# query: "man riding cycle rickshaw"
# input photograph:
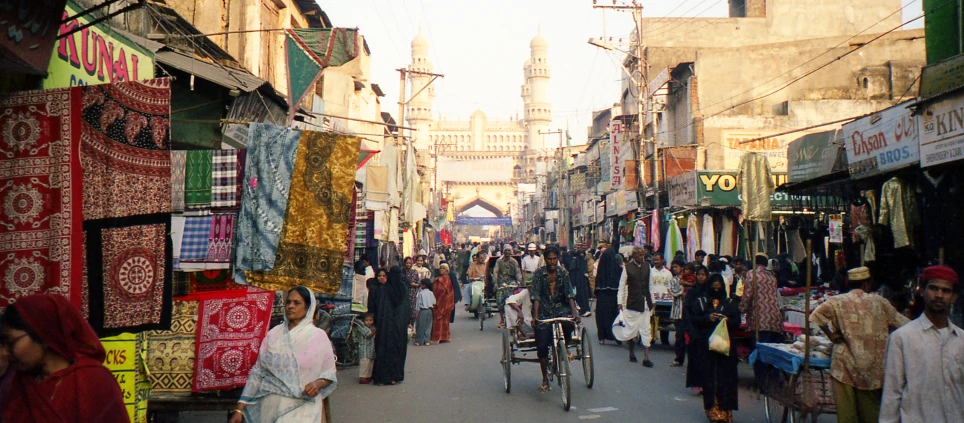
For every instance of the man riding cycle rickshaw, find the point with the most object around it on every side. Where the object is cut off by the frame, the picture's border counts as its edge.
(552, 296)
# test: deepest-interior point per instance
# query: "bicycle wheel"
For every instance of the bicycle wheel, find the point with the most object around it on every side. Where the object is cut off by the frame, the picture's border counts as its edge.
(562, 354)
(482, 317)
(507, 360)
(588, 370)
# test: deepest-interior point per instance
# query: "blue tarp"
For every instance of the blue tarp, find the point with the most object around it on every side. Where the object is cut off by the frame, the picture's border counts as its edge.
(785, 360)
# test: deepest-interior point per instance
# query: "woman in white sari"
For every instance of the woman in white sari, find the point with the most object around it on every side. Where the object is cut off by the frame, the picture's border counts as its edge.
(295, 369)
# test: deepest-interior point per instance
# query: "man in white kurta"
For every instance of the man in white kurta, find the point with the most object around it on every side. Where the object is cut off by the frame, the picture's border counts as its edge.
(924, 377)
(635, 305)
(530, 263)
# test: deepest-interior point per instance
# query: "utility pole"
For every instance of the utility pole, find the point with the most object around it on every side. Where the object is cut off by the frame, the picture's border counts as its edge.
(642, 95)
(403, 75)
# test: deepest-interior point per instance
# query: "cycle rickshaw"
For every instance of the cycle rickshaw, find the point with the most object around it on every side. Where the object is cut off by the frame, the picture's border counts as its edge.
(515, 342)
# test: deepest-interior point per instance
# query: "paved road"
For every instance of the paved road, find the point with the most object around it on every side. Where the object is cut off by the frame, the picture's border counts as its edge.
(462, 381)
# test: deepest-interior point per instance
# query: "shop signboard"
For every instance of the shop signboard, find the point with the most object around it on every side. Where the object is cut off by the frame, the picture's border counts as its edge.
(812, 156)
(941, 77)
(736, 143)
(626, 202)
(121, 360)
(836, 228)
(611, 203)
(600, 212)
(483, 221)
(942, 132)
(682, 190)
(95, 55)
(617, 139)
(719, 188)
(881, 142)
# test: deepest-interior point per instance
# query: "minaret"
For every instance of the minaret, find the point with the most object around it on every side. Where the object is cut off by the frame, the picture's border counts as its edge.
(419, 111)
(538, 110)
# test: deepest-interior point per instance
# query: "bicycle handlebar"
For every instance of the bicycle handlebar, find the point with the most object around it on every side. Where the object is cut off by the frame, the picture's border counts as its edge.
(557, 319)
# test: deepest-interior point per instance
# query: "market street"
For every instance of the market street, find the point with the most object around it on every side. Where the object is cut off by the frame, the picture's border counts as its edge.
(462, 380)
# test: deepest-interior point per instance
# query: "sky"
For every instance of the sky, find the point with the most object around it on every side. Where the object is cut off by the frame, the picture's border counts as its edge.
(481, 47)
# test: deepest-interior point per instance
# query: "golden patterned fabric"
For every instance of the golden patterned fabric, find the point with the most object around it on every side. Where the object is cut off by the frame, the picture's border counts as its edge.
(170, 354)
(865, 321)
(756, 187)
(314, 236)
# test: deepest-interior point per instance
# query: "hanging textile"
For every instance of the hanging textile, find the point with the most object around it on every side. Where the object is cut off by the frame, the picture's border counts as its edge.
(408, 243)
(654, 230)
(170, 354)
(127, 178)
(226, 179)
(220, 239)
(213, 280)
(313, 240)
(708, 238)
(264, 198)
(128, 274)
(692, 237)
(727, 237)
(178, 163)
(349, 259)
(125, 149)
(898, 209)
(376, 187)
(798, 252)
(206, 242)
(41, 139)
(182, 284)
(195, 240)
(674, 241)
(198, 173)
(756, 186)
(229, 334)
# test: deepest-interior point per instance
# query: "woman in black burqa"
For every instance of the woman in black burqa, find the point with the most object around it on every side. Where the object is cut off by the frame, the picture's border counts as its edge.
(719, 371)
(607, 284)
(389, 301)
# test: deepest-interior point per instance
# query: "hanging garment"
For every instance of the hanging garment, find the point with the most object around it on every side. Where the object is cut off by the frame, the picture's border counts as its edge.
(708, 238)
(314, 236)
(797, 251)
(756, 186)
(781, 239)
(169, 353)
(639, 235)
(654, 230)
(692, 238)
(728, 237)
(674, 241)
(264, 197)
(178, 162)
(376, 187)
(898, 209)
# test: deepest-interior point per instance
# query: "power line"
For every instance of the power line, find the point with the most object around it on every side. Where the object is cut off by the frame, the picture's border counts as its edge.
(838, 58)
(814, 57)
(659, 20)
(674, 20)
(682, 22)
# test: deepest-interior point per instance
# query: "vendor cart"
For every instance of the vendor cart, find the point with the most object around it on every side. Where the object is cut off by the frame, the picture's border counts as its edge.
(792, 392)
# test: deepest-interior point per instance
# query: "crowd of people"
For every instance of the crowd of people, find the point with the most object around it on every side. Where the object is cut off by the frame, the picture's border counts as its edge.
(888, 365)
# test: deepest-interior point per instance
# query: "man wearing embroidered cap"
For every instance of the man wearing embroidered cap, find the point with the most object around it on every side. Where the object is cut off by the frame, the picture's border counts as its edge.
(859, 324)
(924, 379)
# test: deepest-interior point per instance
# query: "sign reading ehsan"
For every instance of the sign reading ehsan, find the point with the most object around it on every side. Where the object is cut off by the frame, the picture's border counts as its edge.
(882, 142)
(95, 55)
(942, 133)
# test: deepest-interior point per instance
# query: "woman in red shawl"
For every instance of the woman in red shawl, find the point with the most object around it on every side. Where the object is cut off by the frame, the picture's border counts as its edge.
(58, 360)
(444, 304)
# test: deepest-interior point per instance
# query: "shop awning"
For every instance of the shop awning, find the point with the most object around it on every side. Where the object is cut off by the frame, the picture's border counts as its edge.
(221, 75)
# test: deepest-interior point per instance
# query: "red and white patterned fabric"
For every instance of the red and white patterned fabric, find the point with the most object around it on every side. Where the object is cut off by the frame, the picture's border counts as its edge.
(40, 190)
(231, 326)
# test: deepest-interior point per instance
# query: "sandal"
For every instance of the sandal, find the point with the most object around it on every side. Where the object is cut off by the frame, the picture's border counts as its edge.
(675, 364)
(417, 344)
(544, 388)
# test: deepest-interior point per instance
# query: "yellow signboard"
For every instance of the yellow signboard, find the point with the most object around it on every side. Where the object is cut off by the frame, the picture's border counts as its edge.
(122, 361)
(95, 55)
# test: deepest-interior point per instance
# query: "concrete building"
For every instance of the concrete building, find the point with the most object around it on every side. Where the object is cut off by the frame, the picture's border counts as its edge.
(770, 67)
(514, 145)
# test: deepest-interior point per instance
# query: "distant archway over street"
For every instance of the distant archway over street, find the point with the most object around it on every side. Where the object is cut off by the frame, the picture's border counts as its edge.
(480, 202)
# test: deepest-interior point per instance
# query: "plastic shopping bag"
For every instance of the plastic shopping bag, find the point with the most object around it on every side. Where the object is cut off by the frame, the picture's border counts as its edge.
(720, 339)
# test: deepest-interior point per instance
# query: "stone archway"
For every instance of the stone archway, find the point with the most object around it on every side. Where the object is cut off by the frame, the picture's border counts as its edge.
(483, 203)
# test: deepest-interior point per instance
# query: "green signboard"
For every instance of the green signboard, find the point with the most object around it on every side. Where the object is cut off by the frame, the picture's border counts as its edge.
(95, 55)
(719, 188)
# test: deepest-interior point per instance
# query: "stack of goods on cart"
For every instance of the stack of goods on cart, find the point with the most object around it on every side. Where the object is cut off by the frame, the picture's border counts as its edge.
(798, 303)
(820, 346)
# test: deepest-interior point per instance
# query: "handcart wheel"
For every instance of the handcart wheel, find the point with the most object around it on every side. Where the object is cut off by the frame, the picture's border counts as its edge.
(776, 412)
(563, 358)
(588, 370)
(507, 360)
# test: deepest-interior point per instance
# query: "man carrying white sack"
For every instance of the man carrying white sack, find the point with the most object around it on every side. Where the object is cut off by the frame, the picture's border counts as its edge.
(635, 306)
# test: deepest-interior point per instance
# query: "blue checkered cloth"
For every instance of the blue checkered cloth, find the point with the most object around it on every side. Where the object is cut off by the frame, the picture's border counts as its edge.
(197, 232)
